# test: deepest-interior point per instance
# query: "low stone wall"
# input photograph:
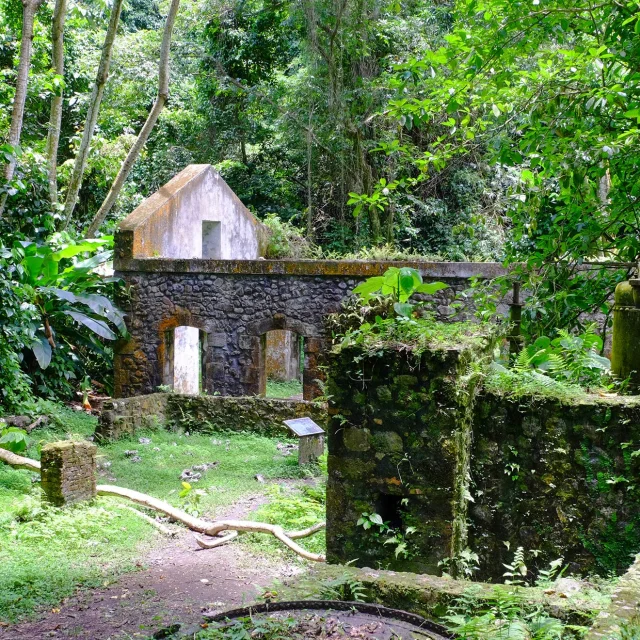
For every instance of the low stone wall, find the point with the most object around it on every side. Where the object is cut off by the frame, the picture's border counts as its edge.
(559, 476)
(431, 596)
(203, 414)
(624, 608)
(448, 469)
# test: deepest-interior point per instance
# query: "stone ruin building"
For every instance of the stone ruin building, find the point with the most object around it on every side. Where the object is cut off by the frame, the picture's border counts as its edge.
(208, 313)
(410, 438)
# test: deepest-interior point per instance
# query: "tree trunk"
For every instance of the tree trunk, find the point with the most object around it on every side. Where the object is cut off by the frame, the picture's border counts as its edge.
(29, 9)
(55, 119)
(143, 136)
(92, 114)
(310, 227)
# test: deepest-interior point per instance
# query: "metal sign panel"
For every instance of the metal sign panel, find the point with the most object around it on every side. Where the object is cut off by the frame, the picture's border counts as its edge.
(304, 427)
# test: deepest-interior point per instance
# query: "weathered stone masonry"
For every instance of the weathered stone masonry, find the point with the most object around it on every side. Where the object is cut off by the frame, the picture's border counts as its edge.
(234, 304)
(68, 471)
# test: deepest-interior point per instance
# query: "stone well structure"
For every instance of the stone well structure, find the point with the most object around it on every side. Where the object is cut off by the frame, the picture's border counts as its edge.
(232, 296)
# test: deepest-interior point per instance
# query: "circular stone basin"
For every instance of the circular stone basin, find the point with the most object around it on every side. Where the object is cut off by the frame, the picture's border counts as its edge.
(332, 620)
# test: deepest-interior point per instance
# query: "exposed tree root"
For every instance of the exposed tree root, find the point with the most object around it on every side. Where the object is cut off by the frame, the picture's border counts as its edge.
(154, 523)
(19, 461)
(195, 524)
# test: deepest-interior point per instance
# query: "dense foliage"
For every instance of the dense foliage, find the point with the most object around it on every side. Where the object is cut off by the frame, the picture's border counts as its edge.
(462, 129)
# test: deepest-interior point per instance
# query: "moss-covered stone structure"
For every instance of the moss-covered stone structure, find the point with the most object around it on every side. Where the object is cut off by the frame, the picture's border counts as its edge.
(68, 471)
(399, 441)
(234, 304)
(192, 257)
(448, 468)
(203, 414)
(625, 352)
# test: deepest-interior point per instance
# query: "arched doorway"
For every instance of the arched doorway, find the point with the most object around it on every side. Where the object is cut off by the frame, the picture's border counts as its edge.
(300, 358)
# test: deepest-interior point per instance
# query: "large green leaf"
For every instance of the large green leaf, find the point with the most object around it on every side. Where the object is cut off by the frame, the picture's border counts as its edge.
(431, 287)
(90, 263)
(83, 247)
(33, 267)
(62, 294)
(368, 287)
(42, 351)
(14, 439)
(403, 309)
(97, 326)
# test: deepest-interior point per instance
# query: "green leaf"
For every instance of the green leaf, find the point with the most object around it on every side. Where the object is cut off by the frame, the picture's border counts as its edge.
(403, 309)
(369, 286)
(431, 287)
(42, 351)
(97, 326)
(75, 249)
(14, 439)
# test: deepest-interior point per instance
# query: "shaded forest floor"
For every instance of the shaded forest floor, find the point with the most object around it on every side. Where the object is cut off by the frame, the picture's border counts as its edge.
(97, 571)
(178, 582)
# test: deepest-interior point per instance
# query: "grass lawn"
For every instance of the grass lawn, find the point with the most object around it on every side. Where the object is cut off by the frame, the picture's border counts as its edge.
(283, 388)
(46, 553)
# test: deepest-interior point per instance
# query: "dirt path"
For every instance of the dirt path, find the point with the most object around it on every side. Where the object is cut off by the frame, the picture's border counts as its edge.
(179, 582)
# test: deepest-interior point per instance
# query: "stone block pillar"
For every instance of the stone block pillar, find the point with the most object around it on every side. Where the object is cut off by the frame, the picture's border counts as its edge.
(68, 471)
(313, 350)
(399, 438)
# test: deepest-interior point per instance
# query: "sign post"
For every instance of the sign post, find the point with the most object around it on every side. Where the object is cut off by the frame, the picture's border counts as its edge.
(310, 439)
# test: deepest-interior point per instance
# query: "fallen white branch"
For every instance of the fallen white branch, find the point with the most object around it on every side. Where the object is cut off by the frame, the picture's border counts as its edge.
(195, 524)
(293, 535)
(305, 533)
(207, 544)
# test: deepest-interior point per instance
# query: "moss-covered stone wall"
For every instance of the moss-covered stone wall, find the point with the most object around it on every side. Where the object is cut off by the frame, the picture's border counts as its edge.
(399, 439)
(558, 476)
(449, 469)
(122, 418)
(234, 303)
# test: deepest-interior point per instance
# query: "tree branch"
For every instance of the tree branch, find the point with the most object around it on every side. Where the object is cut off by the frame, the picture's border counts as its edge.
(193, 523)
(92, 114)
(143, 136)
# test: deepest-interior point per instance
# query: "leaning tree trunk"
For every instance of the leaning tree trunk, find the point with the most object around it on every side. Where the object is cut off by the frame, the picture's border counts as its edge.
(55, 118)
(143, 136)
(29, 9)
(92, 114)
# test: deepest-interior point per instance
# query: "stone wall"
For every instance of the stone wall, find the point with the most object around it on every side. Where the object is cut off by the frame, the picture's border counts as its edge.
(559, 476)
(68, 472)
(203, 414)
(235, 304)
(282, 361)
(409, 440)
(399, 438)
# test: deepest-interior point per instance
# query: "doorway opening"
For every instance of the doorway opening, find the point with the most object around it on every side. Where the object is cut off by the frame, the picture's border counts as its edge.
(281, 375)
(184, 350)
